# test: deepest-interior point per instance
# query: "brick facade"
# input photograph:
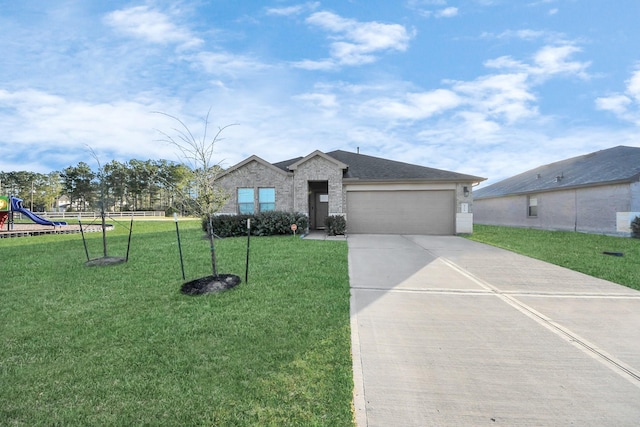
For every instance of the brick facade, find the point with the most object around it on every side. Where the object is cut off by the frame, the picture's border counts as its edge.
(318, 174)
(589, 209)
(318, 169)
(292, 188)
(257, 175)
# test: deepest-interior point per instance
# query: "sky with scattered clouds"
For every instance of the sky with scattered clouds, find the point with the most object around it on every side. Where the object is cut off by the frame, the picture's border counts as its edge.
(486, 87)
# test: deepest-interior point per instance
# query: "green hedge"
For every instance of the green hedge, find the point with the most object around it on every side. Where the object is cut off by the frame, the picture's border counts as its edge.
(336, 225)
(262, 224)
(635, 228)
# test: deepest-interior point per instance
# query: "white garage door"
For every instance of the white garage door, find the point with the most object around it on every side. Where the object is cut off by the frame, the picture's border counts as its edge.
(401, 212)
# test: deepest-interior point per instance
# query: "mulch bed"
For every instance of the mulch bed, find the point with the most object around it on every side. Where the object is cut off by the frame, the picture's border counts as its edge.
(106, 260)
(208, 284)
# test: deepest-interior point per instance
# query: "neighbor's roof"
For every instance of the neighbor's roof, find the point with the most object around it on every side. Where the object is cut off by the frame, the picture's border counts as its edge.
(617, 164)
(369, 168)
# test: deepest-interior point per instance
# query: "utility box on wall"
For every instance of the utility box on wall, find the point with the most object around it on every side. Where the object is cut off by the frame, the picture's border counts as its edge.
(464, 223)
(623, 221)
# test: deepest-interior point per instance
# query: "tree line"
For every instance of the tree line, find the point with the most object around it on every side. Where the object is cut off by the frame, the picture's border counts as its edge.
(129, 186)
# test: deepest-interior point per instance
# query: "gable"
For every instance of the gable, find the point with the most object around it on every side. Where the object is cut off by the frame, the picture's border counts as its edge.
(250, 163)
(318, 155)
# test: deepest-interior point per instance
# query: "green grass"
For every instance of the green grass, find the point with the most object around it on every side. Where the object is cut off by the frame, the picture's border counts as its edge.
(577, 251)
(120, 345)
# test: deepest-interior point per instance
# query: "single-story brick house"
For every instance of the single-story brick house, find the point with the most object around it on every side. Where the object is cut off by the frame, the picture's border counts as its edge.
(594, 193)
(375, 195)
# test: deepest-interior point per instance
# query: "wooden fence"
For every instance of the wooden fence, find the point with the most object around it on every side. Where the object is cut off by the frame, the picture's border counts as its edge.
(94, 215)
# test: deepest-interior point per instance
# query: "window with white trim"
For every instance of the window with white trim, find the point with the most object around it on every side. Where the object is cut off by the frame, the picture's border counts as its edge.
(266, 199)
(532, 210)
(245, 201)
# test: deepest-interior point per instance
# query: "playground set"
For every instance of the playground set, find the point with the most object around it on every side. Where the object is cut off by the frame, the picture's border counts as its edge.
(10, 205)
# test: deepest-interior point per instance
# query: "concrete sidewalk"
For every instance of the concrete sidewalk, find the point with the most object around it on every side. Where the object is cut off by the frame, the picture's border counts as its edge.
(450, 332)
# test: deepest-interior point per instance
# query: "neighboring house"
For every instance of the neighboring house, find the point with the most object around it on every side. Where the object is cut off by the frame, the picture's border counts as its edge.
(594, 193)
(375, 195)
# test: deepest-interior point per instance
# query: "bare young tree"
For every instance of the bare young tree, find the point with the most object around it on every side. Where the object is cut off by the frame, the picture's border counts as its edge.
(206, 198)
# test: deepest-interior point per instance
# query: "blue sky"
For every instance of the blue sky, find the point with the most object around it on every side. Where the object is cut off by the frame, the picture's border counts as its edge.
(486, 87)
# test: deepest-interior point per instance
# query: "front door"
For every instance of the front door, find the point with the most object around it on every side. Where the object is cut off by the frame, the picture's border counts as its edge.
(322, 209)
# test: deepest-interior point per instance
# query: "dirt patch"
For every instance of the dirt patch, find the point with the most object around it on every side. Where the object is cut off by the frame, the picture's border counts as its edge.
(107, 260)
(208, 284)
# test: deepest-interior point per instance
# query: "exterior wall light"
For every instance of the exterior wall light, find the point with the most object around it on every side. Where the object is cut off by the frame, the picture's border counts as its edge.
(465, 191)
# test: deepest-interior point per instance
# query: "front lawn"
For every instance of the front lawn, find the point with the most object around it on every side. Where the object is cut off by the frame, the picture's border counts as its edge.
(577, 251)
(120, 345)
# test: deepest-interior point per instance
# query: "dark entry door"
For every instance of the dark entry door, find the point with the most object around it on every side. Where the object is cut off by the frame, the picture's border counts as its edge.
(322, 209)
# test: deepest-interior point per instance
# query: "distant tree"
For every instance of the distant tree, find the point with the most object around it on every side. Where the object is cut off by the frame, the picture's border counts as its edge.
(54, 190)
(41, 196)
(172, 179)
(115, 176)
(77, 184)
(18, 183)
(39, 191)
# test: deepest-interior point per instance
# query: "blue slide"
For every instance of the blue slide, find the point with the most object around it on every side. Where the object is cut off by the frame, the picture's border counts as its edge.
(16, 206)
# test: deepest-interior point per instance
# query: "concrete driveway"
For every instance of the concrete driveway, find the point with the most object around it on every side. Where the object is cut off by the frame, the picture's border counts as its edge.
(450, 332)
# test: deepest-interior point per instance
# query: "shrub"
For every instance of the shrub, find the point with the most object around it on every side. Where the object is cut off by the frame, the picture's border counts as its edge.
(262, 224)
(275, 223)
(336, 224)
(635, 227)
(170, 211)
(228, 225)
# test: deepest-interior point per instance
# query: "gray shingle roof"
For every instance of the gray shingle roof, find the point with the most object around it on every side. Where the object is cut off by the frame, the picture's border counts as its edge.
(363, 167)
(617, 164)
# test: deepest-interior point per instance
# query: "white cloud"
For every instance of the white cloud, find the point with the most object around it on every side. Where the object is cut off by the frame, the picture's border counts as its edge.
(292, 10)
(448, 12)
(322, 65)
(357, 43)
(326, 103)
(624, 105)
(52, 124)
(633, 85)
(485, 104)
(548, 61)
(413, 106)
(419, 3)
(502, 96)
(322, 100)
(224, 63)
(555, 60)
(617, 104)
(507, 63)
(523, 34)
(150, 25)
(425, 8)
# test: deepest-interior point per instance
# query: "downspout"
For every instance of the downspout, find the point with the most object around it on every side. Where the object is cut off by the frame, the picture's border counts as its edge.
(293, 184)
(575, 210)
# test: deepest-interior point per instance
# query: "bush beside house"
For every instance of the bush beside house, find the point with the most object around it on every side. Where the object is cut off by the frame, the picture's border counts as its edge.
(635, 227)
(262, 224)
(336, 225)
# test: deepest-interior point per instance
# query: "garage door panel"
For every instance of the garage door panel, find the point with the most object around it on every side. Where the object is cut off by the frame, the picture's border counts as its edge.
(401, 212)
